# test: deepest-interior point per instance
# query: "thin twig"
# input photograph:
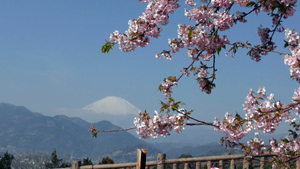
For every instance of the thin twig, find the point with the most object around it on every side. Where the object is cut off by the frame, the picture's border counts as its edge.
(116, 130)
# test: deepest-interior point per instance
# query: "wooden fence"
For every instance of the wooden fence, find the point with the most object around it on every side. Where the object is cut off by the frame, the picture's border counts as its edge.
(231, 161)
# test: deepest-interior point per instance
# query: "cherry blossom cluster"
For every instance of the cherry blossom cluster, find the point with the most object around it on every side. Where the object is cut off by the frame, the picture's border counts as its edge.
(202, 73)
(292, 37)
(227, 3)
(197, 36)
(286, 149)
(166, 55)
(191, 36)
(206, 85)
(166, 87)
(190, 2)
(296, 98)
(267, 44)
(264, 115)
(192, 53)
(292, 60)
(175, 45)
(156, 14)
(269, 6)
(264, 34)
(278, 10)
(256, 53)
(288, 2)
(224, 21)
(208, 18)
(232, 127)
(242, 3)
(159, 125)
(256, 147)
(201, 15)
(222, 3)
(239, 17)
(259, 115)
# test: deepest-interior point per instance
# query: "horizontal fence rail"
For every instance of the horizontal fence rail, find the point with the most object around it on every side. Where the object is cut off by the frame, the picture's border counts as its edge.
(228, 160)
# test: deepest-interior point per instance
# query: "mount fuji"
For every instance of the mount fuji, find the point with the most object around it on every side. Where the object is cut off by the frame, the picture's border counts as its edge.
(112, 105)
(114, 109)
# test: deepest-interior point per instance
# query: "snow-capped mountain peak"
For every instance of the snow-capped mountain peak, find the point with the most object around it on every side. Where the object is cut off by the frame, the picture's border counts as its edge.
(112, 105)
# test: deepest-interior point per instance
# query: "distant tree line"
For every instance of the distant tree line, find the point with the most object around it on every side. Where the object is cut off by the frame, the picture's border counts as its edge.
(56, 162)
(6, 160)
(31, 160)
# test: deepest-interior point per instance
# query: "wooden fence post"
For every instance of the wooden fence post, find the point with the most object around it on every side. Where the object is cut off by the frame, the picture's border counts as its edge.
(186, 165)
(160, 161)
(141, 158)
(246, 164)
(76, 164)
(221, 164)
(209, 165)
(198, 165)
(232, 164)
(262, 162)
(298, 163)
(174, 166)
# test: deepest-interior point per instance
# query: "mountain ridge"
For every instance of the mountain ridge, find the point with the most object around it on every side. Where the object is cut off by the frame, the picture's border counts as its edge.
(24, 130)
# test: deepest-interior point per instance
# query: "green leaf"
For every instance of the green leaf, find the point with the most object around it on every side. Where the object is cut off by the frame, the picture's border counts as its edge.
(260, 98)
(162, 109)
(160, 87)
(171, 99)
(107, 47)
(95, 134)
(286, 45)
(180, 102)
(219, 50)
(172, 78)
(250, 4)
(190, 33)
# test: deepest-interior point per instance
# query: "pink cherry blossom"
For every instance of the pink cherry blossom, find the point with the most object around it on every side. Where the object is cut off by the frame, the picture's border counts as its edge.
(190, 2)
(242, 3)
(159, 125)
(222, 3)
(202, 73)
(231, 127)
(167, 87)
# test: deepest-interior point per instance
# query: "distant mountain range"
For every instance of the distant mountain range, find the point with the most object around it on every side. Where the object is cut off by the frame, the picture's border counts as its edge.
(22, 130)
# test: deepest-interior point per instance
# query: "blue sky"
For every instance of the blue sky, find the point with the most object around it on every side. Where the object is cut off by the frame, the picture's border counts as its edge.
(51, 58)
